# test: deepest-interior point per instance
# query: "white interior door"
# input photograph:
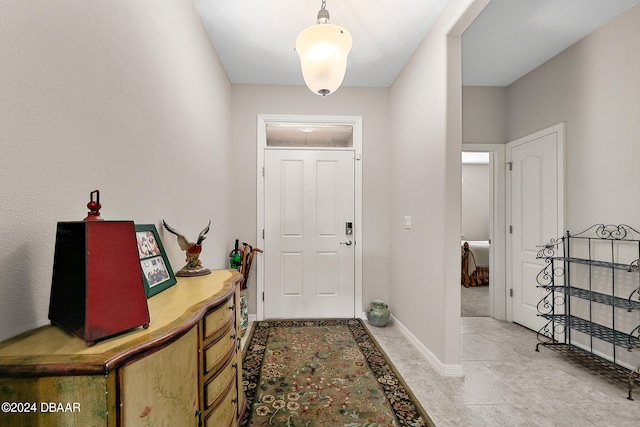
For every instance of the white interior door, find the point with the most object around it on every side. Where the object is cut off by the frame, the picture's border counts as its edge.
(535, 198)
(308, 250)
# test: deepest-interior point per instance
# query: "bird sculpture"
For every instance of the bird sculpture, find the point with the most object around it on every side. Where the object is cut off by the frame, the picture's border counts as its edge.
(193, 249)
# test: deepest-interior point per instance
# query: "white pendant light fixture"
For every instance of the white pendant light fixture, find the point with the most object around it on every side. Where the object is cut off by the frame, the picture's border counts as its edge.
(323, 51)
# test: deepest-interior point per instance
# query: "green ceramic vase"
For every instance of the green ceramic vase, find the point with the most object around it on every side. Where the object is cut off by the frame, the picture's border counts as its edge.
(378, 313)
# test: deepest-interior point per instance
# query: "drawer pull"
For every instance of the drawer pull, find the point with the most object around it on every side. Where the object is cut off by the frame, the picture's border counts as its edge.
(234, 400)
(232, 337)
(232, 307)
(235, 365)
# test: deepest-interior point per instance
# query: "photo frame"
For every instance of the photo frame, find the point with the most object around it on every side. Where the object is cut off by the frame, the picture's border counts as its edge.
(157, 274)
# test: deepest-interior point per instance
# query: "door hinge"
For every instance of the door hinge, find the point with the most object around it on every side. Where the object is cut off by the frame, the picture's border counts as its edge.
(511, 292)
(263, 234)
(263, 296)
(511, 229)
(510, 164)
(263, 171)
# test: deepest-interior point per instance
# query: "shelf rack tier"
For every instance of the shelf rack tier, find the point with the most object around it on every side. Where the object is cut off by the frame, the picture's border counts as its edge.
(603, 333)
(586, 294)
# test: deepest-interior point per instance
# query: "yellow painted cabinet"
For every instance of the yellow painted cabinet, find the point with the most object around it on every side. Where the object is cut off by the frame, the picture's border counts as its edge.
(162, 388)
(183, 370)
(54, 401)
(220, 363)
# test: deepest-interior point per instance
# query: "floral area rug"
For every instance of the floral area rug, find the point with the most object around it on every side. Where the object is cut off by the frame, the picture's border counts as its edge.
(323, 373)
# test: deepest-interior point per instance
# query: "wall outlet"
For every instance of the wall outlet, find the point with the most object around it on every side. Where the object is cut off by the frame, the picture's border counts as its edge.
(407, 221)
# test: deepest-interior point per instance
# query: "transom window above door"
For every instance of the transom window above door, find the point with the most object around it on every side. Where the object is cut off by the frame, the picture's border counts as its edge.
(309, 135)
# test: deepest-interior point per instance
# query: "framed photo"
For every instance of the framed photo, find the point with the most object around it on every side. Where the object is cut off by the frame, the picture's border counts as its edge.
(157, 274)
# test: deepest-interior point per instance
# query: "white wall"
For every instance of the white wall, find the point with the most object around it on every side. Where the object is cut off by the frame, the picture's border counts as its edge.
(425, 162)
(475, 202)
(484, 114)
(373, 105)
(594, 87)
(123, 96)
(484, 121)
(130, 98)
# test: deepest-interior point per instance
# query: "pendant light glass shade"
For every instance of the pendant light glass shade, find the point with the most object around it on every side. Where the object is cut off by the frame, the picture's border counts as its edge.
(323, 51)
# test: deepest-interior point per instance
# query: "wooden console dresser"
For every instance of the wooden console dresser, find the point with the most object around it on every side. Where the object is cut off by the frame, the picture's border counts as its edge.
(184, 370)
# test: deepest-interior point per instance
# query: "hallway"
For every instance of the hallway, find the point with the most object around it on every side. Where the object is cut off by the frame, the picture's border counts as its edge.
(508, 383)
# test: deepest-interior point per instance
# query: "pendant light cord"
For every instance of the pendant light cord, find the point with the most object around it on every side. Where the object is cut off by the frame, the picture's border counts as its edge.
(323, 13)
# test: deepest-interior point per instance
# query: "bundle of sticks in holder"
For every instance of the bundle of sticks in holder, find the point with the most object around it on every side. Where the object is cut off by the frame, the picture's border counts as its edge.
(241, 258)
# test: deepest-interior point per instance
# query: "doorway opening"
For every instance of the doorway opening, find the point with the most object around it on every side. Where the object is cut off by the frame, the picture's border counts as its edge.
(483, 229)
(475, 238)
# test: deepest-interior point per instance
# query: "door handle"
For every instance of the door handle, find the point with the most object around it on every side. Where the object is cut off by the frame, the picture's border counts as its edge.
(347, 242)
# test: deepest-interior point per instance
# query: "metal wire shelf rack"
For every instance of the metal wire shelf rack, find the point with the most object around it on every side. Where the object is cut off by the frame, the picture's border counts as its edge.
(610, 260)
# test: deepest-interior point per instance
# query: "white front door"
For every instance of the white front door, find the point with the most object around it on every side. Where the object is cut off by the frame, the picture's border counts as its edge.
(535, 198)
(308, 250)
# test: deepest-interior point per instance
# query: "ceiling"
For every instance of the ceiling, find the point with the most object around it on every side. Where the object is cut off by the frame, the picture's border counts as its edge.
(255, 39)
(512, 37)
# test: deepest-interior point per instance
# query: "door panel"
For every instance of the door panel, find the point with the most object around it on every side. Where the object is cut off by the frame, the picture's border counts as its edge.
(292, 276)
(291, 197)
(309, 196)
(327, 272)
(536, 210)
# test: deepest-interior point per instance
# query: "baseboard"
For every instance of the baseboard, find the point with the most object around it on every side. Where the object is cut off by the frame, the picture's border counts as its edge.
(445, 370)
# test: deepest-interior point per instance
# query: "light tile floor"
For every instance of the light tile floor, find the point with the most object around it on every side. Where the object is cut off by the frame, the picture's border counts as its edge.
(508, 383)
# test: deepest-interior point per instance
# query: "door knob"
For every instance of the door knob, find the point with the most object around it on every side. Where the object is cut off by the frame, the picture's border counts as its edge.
(348, 243)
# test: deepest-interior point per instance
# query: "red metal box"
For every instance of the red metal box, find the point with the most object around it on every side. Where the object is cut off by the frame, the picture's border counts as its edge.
(97, 289)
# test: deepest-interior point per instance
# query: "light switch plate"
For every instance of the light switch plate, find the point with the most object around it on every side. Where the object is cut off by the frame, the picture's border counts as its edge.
(407, 221)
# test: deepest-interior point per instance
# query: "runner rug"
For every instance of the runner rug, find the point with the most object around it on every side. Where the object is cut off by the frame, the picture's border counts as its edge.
(323, 373)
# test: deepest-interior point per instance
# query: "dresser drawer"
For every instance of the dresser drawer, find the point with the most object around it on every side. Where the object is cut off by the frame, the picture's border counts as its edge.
(219, 351)
(216, 321)
(225, 413)
(215, 388)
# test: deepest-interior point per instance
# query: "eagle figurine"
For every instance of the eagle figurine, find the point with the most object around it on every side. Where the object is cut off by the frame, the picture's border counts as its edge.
(192, 249)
